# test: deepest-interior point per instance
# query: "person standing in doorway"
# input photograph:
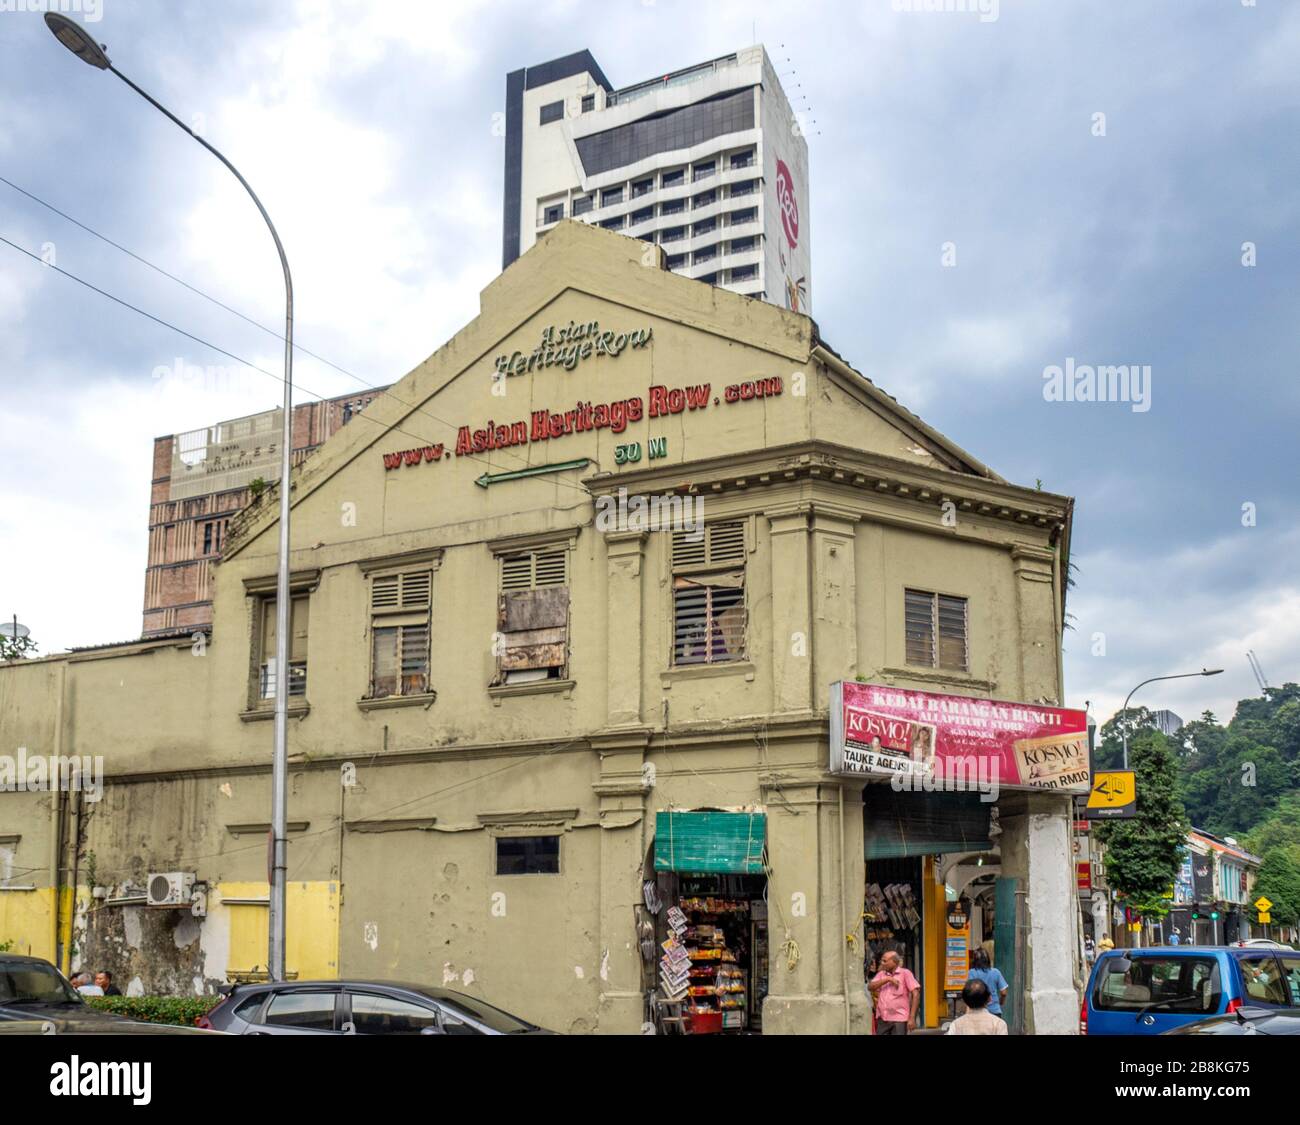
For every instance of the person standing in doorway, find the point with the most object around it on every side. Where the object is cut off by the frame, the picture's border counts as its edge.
(895, 996)
(991, 978)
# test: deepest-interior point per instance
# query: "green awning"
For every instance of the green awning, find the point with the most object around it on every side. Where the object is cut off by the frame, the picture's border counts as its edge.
(910, 824)
(710, 842)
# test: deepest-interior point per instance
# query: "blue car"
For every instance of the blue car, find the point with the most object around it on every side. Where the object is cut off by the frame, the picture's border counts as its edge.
(1151, 991)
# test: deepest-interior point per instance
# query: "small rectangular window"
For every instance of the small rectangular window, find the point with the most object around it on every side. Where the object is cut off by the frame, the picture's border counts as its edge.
(400, 606)
(615, 223)
(673, 207)
(705, 199)
(704, 171)
(742, 159)
(935, 628)
(554, 111)
(298, 620)
(746, 188)
(583, 204)
(672, 234)
(528, 855)
(673, 179)
(553, 214)
(742, 245)
(588, 103)
(642, 187)
(708, 226)
(676, 261)
(610, 196)
(746, 216)
(642, 216)
(709, 611)
(744, 273)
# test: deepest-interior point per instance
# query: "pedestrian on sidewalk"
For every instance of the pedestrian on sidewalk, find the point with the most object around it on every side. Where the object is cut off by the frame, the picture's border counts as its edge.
(895, 996)
(992, 979)
(978, 1020)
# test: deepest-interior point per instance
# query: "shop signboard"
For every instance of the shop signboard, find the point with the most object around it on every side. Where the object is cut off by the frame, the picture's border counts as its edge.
(1203, 877)
(887, 731)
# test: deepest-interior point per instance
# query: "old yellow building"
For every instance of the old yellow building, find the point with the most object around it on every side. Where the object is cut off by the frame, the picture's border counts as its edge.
(507, 678)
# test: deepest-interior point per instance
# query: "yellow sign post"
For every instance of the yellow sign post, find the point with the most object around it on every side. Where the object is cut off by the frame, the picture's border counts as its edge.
(1113, 795)
(1263, 905)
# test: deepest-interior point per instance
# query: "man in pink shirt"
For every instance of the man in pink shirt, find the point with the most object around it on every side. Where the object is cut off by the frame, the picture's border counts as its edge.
(896, 995)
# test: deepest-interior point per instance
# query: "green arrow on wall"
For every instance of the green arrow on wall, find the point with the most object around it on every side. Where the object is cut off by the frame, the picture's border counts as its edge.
(536, 470)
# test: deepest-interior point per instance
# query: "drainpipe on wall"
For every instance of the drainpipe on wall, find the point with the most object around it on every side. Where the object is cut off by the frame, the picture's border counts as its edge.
(844, 949)
(76, 864)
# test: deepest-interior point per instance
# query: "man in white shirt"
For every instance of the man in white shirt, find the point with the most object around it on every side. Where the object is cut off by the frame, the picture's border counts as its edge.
(978, 1020)
(84, 983)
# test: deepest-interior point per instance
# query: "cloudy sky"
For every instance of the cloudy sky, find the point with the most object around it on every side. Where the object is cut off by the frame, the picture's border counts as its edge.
(367, 129)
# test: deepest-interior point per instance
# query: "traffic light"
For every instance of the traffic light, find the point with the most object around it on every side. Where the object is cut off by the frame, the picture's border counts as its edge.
(1214, 916)
(1195, 915)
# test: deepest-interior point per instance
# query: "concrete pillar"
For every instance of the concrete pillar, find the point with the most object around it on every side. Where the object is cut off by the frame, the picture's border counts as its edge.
(834, 601)
(1036, 615)
(791, 610)
(624, 836)
(1035, 847)
(624, 552)
(814, 904)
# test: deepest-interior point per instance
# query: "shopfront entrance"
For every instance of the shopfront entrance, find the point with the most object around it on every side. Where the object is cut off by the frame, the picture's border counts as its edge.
(905, 905)
(705, 903)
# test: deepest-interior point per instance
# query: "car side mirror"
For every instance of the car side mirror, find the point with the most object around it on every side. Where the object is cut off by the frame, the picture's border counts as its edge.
(432, 1029)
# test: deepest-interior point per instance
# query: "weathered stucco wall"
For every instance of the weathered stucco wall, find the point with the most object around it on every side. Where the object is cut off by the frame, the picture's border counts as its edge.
(394, 809)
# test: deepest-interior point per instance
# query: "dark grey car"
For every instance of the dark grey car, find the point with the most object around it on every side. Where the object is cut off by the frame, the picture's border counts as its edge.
(33, 989)
(359, 1007)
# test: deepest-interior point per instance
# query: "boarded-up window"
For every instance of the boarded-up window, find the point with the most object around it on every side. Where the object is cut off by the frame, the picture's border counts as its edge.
(399, 633)
(935, 630)
(298, 619)
(709, 614)
(533, 616)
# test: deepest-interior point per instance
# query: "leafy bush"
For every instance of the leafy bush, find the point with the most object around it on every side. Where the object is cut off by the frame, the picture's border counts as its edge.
(180, 1010)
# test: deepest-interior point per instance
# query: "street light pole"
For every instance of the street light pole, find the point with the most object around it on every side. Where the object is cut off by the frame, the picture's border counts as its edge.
(1152, 680)
(78, 41)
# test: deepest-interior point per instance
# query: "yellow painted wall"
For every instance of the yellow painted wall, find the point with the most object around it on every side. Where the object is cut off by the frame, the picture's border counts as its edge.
(311, 927)
(27, 920)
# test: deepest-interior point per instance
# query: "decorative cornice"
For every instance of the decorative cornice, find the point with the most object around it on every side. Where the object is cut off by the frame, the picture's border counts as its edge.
(263, 828)
(300, 582)
(512, 544)
(396, 824)
(424, 699)
(544, 818)
(430, 558)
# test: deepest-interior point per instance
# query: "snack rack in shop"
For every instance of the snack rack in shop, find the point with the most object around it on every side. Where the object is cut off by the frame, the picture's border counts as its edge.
(717, 993)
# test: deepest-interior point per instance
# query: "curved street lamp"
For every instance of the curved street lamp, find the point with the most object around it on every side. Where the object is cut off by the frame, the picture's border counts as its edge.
(79, 42)
(1152, 680)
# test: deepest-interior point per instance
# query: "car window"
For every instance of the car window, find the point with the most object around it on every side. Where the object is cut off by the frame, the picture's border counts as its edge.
(1261, 977)
(1291, 970)
(1175, 984)
(35, 983)
(386, 1015)
(313, 1011)
(247, 1010)
(494, 1019)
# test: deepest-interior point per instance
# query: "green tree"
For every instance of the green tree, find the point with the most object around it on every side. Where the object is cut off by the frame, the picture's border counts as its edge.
(16, 648)
(1280, 830)
(1110, 738)
(1144, 853)
(1279, 881)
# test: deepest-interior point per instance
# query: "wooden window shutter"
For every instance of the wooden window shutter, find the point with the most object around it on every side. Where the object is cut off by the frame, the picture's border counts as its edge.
(951, 617)
(918, 625)
(533, 612)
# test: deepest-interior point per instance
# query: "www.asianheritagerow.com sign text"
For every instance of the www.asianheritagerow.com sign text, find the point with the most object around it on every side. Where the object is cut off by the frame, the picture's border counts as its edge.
(890, 731)
(586, 416)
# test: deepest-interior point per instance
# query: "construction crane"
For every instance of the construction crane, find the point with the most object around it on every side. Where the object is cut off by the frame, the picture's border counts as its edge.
(1257, 669)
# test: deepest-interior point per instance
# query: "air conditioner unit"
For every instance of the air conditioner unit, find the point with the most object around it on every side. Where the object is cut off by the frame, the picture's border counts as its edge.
(169, 888)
